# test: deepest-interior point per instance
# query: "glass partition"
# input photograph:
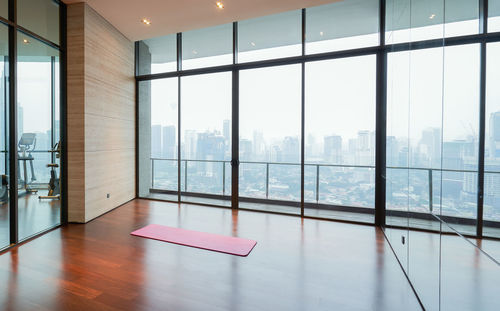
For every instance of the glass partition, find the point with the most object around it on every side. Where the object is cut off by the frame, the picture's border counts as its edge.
(492, 141)
(38, 176)
(4, 138)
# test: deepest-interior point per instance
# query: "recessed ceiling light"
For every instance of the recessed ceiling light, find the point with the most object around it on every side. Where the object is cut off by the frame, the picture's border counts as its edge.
(432, 16)
(25, 41)
(321, 33)
(219, 5)
(252, 43)
(195, 52)
(146, 21)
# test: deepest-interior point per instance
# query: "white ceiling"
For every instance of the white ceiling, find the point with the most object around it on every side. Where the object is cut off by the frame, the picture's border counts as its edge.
(169, 16)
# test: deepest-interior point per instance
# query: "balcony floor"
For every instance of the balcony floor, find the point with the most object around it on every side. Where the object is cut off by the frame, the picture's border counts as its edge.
(298, 264)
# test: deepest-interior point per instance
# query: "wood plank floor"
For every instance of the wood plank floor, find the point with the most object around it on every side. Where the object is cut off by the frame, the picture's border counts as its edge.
(296, 265)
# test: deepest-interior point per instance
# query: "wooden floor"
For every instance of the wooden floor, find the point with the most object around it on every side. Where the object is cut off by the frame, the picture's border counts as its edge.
(296, 265)
(34, 215)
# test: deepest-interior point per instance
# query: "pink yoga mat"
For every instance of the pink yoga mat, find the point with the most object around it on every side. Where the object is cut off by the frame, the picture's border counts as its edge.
(209, 241)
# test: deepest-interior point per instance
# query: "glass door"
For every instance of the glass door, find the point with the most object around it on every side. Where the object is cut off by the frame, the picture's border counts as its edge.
(38, 144)
(270, 141)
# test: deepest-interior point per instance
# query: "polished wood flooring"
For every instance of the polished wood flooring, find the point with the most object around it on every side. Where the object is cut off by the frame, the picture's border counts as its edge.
(298, 264)
(34, 215)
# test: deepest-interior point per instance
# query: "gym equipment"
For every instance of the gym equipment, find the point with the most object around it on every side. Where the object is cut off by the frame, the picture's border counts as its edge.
(26, 145)
(54, 183)
(4, 189)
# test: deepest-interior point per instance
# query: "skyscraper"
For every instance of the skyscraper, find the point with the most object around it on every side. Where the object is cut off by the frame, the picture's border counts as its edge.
(332, 149)
(168, 139)
(156, 141)
(494, 134)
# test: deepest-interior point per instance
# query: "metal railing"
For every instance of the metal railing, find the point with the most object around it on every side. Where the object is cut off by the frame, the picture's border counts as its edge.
(316, 168)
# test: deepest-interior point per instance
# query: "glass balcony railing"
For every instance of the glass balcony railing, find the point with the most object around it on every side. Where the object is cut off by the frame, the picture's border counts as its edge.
(447, 193)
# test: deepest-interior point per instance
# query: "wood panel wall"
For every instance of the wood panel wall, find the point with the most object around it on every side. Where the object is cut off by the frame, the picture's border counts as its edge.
(101, 115)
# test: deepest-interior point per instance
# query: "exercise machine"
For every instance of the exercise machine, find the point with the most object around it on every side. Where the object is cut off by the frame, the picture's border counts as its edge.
(54, 183)
(26, 146)
(4, 188)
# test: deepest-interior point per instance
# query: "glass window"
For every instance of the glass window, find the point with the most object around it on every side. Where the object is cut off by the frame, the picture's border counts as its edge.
(36, 78)
(4, 8)
(4, 137)
(40, 17)
(340, 135)
(270, 109)
(207, 47)
(273, 36)
(206, 102)
(408, 20)
(342, 25)
(158, 137)
(494, 15)
(158, 55)
(492, 140)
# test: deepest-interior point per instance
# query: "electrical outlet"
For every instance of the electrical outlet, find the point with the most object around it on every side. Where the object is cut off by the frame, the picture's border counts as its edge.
(107, 196)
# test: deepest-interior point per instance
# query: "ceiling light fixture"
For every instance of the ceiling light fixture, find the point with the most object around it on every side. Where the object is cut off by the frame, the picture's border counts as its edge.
(219, 5)
(321, 33)
(432, 16)
(25, 41)
(252, 43)
(195, 52)
(146, 21)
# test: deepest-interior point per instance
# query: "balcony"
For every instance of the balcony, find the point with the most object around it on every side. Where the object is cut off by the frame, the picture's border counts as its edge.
(344, 192)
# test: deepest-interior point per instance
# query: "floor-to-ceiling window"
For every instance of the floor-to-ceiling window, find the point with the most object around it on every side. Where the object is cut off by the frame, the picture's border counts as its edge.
(306, 86)
(317, 104)
(30, 197)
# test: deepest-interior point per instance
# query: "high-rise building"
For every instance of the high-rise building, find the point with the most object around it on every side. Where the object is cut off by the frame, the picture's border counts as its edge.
(430, 147)
(156, 141)
(189, 150)
(494, 133)
(291, 149)
(332, 149)
(168, 142)
(259, 145)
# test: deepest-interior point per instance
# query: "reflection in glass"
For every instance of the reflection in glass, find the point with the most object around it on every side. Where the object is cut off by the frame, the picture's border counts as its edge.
(491, 207)
(207, 47)
(342, 25)
(4, 139)
(37, 133)
(493, 15)
(340, 132)
(4, 8)
(408, 20)
(40, 17)
(157, 55)
(268, 37)
(270, 105)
